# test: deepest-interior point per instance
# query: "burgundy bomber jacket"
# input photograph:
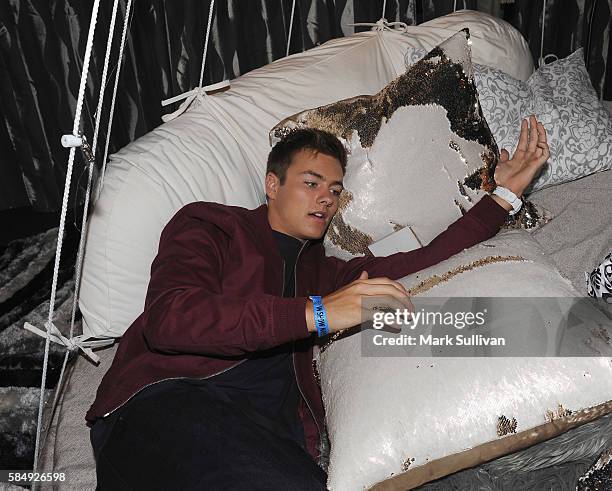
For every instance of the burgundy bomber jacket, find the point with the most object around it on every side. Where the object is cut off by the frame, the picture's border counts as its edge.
(215, 295)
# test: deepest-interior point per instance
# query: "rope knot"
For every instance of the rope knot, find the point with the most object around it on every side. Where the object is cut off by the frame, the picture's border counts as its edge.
(382, 25)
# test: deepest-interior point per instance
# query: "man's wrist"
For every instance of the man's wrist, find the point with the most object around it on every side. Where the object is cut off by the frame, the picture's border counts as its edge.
(310, 322)
(501, 202)
(509, 197)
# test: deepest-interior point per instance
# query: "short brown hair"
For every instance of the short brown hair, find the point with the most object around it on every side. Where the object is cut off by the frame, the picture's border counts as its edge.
(318, 141)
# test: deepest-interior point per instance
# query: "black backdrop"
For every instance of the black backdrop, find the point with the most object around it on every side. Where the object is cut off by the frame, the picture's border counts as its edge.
(42, 43)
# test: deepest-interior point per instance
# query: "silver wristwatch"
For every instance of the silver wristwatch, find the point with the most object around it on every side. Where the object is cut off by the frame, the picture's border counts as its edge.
(510, 197)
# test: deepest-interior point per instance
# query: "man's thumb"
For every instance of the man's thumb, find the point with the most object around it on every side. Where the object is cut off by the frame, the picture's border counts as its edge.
(363, 275)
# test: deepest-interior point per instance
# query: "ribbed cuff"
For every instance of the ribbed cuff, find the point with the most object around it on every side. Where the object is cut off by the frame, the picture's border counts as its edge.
(289, 319)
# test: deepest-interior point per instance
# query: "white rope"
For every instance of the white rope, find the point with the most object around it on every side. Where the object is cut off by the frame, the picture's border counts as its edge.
(455, 6)
(542, 33)
(112, 108)
(210, 14)
(382, 16)
(79, 264)
(189, 97)
(290, 28)
(60, 233)
(200, 91)
(72, 342)
(382, 25)
(542, 59)
(109, 43)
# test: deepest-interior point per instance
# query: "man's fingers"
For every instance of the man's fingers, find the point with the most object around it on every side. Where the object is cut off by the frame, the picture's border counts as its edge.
(382, 290)
(541, 133)
(504, 155)
(385, 281)
(534, 136)
(523, 137)
(390, 305)
(543, 151)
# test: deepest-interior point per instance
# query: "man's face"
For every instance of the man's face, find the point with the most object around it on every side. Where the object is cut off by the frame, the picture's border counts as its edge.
(305, 204)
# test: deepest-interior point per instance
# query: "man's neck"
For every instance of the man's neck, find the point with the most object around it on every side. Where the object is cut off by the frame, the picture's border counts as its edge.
(289, 235)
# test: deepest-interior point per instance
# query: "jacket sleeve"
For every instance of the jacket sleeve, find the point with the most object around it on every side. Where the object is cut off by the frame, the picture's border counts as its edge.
(186, 310)
(480, 223)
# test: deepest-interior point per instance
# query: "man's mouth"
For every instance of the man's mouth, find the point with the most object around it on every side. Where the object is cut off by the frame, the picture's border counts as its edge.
(319, 215)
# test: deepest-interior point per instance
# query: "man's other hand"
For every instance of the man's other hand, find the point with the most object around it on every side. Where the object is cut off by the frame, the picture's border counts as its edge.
(531, 154)
(345, 308)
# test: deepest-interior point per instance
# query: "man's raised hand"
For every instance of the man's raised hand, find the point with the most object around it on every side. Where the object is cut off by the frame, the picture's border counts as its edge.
(531, 154)
(345, 308)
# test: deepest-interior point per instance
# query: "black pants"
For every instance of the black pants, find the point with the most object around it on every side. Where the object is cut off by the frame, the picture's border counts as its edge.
(188, 435)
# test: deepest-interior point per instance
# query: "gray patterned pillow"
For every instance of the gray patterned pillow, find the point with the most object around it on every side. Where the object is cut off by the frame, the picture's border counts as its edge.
(561, 96)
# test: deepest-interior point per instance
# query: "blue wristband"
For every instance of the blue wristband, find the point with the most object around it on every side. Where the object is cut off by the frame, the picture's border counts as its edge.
(320, 316)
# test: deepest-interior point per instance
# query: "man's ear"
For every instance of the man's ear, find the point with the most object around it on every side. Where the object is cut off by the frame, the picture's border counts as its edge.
(272, 184)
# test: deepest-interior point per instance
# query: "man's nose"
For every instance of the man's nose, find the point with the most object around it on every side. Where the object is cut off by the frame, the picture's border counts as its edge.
(326, 197)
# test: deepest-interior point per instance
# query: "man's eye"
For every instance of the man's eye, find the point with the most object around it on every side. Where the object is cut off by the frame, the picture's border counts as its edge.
(310, 184)
(337, 192)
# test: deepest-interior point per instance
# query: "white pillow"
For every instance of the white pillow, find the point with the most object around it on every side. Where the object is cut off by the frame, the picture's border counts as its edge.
(216, 151)
(495, 42)
(386, 415)
(185, 160)
(561, 95)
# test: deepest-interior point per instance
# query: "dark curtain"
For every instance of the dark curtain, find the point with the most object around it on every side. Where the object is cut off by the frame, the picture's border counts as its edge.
(42, 44)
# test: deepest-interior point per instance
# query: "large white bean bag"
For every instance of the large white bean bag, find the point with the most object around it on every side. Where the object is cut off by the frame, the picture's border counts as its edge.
(217, 150)
(414, 419)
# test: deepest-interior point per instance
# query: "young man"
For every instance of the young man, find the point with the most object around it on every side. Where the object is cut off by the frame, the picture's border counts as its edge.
(212, 386)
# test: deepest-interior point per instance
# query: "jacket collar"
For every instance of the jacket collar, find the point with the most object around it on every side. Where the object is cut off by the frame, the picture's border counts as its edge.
(262, 227)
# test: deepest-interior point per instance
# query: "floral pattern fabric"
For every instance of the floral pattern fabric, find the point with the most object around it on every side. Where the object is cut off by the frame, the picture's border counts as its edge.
(561, 96)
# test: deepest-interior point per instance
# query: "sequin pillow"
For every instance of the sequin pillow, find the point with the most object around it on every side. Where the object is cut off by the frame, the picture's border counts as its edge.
(420, 152)
(561, 95)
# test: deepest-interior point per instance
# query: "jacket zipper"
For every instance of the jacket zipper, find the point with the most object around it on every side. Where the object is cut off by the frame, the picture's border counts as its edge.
(297, 380)
(170, 378)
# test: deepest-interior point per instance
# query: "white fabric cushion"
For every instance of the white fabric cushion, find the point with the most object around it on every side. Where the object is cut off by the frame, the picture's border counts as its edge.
(185, 160)
(214, 152)
(561, 95)
(217, 151)
(495, 43)
(389, 414)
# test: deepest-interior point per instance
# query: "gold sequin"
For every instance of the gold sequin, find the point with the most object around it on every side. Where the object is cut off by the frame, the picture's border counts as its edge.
(505, 425)
(561, 412)
(397, 226)
(434, 280)
(406, 463)
(343, 235)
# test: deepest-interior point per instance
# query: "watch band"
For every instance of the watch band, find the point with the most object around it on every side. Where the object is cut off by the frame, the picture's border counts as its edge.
(510, 197)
